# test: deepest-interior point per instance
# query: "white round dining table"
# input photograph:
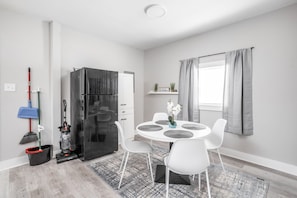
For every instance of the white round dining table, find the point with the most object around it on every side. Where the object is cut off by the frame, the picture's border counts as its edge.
(160, 130)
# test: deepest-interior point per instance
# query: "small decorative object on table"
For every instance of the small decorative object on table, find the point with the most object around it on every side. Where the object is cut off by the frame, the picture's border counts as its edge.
(173, 111)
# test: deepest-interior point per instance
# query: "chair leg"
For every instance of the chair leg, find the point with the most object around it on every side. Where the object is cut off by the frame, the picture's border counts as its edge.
(150, 166)
(199, 181)
(221, 159)
(124, 156)
(127, 156)
(207, 182)
(211, 157)
(167, 181)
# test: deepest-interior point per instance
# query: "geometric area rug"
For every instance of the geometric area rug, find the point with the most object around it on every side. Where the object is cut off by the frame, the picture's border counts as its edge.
(137, 181)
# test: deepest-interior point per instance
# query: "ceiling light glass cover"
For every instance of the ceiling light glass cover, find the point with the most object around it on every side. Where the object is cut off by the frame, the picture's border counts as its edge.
(155, 11)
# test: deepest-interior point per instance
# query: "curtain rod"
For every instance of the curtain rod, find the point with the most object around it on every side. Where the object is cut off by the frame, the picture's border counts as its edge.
(211, 55)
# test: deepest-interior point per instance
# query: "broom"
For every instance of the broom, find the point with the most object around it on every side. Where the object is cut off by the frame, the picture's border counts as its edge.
(30, 113)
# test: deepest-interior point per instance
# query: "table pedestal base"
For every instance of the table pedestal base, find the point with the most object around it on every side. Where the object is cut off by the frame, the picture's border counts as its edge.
(173, 178)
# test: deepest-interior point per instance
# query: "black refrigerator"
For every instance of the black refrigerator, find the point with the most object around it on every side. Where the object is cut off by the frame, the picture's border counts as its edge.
(94, 109)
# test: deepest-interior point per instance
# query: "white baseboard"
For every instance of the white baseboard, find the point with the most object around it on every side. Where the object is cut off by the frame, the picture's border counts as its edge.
(14, 162)
(19, 161)
(269, 163)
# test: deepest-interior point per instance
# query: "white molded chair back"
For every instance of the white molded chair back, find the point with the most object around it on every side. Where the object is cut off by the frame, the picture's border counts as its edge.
(122, 136)
(187, 157)
(130, 146)
(215, 139)
(160, 116)
(217, 132)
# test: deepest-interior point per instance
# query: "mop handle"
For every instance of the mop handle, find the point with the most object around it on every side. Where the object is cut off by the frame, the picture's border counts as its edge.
(38, 97)
(29, 83)
(39, 135)
(29, 95)
(30, 125)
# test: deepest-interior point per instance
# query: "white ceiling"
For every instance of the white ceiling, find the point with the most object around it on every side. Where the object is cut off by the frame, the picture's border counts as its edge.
(124, 21)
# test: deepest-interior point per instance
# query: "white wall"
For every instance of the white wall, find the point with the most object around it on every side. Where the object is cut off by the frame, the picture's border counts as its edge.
(25, 41)
(274, 79)
(83, 50)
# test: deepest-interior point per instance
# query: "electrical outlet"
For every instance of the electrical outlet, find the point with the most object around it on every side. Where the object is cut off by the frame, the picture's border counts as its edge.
(9, 86)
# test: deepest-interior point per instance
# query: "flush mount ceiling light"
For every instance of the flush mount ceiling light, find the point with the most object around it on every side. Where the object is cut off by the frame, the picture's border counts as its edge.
(155, 11)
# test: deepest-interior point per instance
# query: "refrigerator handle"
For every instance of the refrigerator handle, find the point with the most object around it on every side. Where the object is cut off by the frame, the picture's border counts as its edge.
(82, 105)
(83, 108)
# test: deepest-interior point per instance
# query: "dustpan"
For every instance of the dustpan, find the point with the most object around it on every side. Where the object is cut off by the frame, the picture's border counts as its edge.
(28, 112)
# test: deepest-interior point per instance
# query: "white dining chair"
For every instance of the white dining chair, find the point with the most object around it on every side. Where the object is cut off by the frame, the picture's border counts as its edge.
(131, 146)
(159, 116)
(187, 157)
(215, 139)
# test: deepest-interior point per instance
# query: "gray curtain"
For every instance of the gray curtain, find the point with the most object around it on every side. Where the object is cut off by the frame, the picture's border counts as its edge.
(238, 105)
(188, 90)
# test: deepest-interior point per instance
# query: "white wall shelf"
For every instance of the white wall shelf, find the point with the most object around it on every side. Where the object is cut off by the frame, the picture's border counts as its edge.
(162, 93)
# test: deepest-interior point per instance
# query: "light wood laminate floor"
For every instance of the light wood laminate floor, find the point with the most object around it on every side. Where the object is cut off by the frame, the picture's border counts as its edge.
(74, 179)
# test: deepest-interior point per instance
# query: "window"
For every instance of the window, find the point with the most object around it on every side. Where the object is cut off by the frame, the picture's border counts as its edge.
(211, 82)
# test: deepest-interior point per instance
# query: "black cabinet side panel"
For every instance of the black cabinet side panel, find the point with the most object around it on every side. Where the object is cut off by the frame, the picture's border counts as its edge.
(76, 81)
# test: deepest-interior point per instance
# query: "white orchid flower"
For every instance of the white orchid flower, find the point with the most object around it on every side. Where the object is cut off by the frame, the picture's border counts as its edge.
(170, 107)
(176, 110)
(173, 110)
